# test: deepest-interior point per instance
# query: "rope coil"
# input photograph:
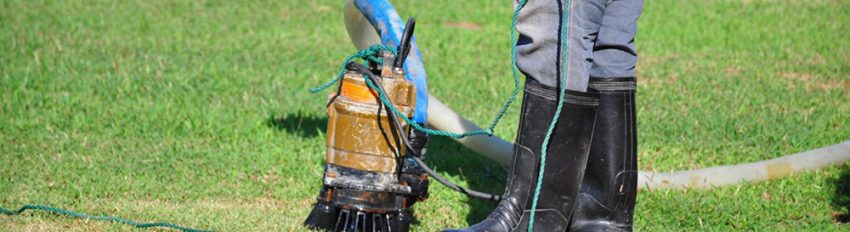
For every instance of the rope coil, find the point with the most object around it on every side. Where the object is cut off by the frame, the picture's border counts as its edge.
(372, 54)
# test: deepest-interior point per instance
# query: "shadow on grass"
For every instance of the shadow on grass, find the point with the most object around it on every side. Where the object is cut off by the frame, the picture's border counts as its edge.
(841, 198)
(480, 174)
(299, 124)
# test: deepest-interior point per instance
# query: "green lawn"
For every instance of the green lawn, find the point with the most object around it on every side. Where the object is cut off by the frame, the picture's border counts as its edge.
(197, 112)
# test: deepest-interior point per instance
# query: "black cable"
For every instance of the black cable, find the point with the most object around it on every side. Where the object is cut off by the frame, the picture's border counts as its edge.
(404, 45)
(393, 120)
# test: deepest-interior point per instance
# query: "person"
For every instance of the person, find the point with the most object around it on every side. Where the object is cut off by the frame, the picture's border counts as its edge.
(589, 181)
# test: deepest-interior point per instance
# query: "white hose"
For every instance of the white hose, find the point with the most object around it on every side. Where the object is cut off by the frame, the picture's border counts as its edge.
(360, 31)
(442, 117)
(771, 169)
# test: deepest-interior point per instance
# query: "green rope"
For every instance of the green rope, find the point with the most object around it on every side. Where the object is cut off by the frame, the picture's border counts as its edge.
(514, 70)
(563, 87)
(98, 218)
(387, 102)
(372, 54)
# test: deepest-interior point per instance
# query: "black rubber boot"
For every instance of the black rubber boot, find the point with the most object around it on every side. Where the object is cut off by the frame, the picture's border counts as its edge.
(566, 159)
(608, 191)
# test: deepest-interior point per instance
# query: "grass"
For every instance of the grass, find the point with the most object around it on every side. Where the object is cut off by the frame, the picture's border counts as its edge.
(197, 112)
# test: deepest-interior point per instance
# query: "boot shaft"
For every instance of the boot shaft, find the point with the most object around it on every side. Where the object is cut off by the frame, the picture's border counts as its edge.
(609, 187)
(566, 157)
(566, 153)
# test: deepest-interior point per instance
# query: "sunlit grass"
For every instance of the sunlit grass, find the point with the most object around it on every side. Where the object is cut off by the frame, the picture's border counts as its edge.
(198, 113)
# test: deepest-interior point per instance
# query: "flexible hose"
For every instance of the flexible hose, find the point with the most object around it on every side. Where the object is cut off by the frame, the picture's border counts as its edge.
(443, 118)
(748, 172)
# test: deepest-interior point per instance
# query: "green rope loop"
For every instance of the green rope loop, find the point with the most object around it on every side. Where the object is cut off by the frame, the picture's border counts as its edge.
(514, 69)
(98, 218)
(372, 54)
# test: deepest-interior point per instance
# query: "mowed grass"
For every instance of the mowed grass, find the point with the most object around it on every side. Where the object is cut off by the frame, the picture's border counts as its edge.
(197, 112)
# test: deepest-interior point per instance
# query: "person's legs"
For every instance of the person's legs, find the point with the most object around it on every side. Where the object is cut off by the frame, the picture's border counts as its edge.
(607, 198)
(539, 57)
(539, 44)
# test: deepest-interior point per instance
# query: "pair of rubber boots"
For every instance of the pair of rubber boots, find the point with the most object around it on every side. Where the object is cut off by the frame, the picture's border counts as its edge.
(590, 177)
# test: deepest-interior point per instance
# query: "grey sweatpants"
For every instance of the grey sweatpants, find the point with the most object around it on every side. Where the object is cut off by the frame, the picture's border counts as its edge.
(600, 41)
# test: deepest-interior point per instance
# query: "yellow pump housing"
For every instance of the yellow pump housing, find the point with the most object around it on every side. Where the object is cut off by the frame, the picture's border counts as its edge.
(358, 125)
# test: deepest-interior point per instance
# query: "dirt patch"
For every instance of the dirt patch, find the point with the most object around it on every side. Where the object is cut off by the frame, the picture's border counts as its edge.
(766, 196)
(815, 83)
(463, 25)
(732, 70)
(796, 76)
(647, 63)
(835, 84)
(262, 204)
(789, 2)
(323, 8)
(28, 224)
(817, 59)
